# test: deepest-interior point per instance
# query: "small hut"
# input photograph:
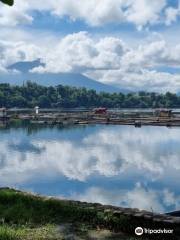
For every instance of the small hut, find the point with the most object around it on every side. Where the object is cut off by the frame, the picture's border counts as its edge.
(163, 113)
(100, 110)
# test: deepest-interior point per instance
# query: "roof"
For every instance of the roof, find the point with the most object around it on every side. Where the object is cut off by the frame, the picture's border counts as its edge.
(163, 110)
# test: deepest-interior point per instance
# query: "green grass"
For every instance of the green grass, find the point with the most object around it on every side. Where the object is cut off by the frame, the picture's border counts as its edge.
(28, 217)
(50, 232)
(22, 209)
(26, 233)
(7, 233)
(24, 214)
(19, 208)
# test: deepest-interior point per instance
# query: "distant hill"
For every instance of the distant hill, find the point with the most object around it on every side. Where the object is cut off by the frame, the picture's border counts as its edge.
(24, 67)
(47, 79)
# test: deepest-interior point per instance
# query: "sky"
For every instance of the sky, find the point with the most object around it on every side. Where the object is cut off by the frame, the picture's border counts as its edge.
(131, 44)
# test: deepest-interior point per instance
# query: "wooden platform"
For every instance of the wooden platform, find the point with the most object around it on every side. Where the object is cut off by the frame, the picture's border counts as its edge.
(137, 119)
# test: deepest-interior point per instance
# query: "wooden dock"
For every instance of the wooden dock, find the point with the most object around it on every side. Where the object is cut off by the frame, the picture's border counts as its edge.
(137, 119)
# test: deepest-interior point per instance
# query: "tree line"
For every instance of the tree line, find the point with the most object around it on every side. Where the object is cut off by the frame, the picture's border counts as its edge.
(31, 94)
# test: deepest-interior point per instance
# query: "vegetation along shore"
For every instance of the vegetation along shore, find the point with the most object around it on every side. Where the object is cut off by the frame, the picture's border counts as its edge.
(27, 216)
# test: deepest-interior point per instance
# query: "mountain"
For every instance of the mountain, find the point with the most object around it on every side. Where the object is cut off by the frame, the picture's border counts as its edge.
(53, 79)
(24, 67)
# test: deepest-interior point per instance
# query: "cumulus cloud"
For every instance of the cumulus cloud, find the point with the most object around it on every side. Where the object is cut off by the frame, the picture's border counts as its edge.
(79, 52)
(143, 79)
(143, 12)
(137, 68)
(111, 61)
(138, 12)
(12, 52)
(172, 14)
(106, 59)
(16, 15)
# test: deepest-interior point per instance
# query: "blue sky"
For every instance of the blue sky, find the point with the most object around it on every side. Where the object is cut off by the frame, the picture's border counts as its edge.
(132, 44)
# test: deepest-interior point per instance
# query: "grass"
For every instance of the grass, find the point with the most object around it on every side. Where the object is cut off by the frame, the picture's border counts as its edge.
(22, 209)
(8, 233)
(27, 233)
(28, 217)
(19, 208)
(25, 216)
(50, 233)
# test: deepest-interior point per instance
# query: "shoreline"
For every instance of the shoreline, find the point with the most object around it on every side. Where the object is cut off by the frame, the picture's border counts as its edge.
(40, 210)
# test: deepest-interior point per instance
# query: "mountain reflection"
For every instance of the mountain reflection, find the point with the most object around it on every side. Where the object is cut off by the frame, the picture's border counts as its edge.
(144, 160)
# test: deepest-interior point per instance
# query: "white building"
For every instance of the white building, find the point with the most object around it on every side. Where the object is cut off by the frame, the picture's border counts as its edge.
(36, 110)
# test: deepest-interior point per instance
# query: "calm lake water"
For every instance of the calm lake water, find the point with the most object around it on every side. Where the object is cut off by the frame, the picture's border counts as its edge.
(119, 165)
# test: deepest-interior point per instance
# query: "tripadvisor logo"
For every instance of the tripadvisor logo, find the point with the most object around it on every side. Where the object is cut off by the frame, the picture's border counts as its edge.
(139, 231)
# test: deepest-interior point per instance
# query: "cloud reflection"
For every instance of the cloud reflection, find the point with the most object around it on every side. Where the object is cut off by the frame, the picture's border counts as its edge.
(139, 197)
(108, 152)
(123, 155)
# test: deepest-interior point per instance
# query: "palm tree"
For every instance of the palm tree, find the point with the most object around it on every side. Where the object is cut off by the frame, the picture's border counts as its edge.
(9, 2)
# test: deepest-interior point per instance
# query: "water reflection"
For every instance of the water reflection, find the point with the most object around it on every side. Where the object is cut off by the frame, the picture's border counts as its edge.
(139, 197)
(119, 165)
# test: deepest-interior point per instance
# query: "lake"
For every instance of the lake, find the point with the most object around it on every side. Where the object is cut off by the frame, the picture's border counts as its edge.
(119, 165)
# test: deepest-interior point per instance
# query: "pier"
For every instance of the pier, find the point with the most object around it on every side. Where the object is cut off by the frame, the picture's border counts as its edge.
(138, 118)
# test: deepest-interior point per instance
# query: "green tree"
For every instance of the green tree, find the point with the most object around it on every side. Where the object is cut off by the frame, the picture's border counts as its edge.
(31, 94)
(18, 101)
(44, 101)
(8, 2)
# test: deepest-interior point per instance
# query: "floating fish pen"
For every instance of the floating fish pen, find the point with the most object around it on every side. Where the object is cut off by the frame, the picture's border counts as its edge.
(97, 116)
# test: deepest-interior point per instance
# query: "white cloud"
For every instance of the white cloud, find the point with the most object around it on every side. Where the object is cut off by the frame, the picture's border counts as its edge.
(143, 79)
(110, 61)
(137, 68)
(12, 52)
(144, 12)
(172, 14)
(79, 52)
(16, 15)
(105, 59)
(141, 13)
(93, 12)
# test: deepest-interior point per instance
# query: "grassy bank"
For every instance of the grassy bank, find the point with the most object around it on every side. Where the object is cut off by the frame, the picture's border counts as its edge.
(25, 216)
(21, 209)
